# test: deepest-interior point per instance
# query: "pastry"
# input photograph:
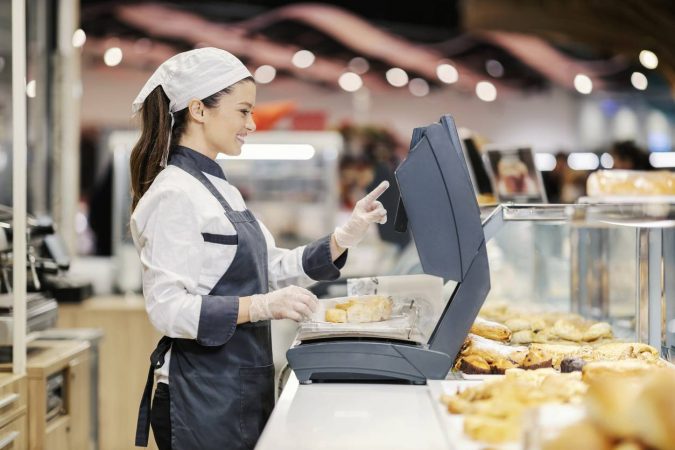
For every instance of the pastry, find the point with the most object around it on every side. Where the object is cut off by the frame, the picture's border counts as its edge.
(491, 430)
(624, 350)
(625, 405)
(522, 337)
(653, 412)
(597, 331)
(572, 364)
(518, 324)
(566, 330)
(558, 352)
(361, 310)
(336, 315)
(616, 369)
(536, 359)
(581, 435)
(474, 364)
(491, 330)
(493, 410)
(489, 350)
(501, 365)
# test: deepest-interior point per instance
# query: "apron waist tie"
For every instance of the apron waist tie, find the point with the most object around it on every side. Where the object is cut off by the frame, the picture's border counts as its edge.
(156, 361)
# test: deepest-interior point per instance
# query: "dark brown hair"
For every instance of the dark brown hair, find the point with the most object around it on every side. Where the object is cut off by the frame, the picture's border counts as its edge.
(157, 134)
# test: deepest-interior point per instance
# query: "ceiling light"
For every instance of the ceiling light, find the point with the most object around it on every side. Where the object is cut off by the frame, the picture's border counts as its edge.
(273, 152)
(639, 81)
(649, 59)
(31, 89)
(418, 87)
(486, 91)
(494, 68)
(662, 159)
(359, 65)
(583, 161)
(303, 59)
(447, 73)
(264, 74)
(606, 161)
(397, 77)
(545, 162)
(112, 56)
(350, 81)
(583, 84)
(79, 38)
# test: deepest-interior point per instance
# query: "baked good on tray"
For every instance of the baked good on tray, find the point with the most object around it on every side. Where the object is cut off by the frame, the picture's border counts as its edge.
(491, 330)
(528, 325)
(483, 356)
(478, 353)
(493, 410)
(361, 310)
(629, 408)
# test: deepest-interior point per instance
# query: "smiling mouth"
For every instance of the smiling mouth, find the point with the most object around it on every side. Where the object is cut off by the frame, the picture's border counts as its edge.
(240, 139)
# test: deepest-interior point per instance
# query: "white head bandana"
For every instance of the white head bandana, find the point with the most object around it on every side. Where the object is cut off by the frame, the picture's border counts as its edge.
(194, 74)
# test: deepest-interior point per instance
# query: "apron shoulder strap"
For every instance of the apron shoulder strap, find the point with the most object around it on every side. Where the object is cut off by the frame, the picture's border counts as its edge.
(190, 168)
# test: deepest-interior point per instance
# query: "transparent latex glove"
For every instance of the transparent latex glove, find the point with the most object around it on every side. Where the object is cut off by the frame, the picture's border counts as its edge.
(291, 302)
(367, 210)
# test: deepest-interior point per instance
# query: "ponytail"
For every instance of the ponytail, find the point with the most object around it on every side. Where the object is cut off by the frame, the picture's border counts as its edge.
(146, 157)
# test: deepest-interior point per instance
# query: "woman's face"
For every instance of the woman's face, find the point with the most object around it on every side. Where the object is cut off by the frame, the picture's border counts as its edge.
(227, 125)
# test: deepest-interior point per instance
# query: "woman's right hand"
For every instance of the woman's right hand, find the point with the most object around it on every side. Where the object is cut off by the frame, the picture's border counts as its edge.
(291, 302)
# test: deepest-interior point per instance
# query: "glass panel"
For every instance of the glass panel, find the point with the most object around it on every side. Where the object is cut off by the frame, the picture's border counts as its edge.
(5, 103)
(38, 70)
(40, 35)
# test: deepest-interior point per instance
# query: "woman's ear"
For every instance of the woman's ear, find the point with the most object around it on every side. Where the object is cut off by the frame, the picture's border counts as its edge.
(196, 110)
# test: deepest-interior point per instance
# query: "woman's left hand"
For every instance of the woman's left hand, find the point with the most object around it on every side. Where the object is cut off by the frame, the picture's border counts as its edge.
(367, 210)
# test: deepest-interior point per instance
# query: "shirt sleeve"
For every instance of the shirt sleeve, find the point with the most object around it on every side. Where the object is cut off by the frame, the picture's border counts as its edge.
(167, 235)
(303, 265)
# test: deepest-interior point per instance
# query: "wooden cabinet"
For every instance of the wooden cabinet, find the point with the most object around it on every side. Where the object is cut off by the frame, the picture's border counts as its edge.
(13, 404)
(62, 423)
(14, 435)
(124, 359)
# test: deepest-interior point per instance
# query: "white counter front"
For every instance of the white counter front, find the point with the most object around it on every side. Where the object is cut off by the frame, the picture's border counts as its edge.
(354, 416)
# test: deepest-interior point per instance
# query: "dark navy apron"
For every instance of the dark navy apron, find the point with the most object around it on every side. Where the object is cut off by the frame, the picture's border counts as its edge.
(221, 396)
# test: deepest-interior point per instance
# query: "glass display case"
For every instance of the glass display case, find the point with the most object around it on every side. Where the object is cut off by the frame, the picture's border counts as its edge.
(607, 262)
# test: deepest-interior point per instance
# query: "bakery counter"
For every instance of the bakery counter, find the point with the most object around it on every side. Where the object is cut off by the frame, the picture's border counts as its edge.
(355, 416)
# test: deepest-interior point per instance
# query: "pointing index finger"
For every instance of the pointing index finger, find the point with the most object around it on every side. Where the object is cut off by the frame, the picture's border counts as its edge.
(379, 190)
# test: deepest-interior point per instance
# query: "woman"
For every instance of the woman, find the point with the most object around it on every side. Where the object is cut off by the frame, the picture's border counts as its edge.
(212, 275)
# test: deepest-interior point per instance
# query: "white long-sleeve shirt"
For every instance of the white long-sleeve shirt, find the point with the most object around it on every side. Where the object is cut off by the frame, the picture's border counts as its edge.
(180, 266)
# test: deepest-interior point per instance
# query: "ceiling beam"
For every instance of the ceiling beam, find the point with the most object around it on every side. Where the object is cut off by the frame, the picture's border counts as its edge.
(625, 27)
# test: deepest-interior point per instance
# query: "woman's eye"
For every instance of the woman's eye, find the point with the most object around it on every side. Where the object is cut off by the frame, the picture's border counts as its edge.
(246, 111)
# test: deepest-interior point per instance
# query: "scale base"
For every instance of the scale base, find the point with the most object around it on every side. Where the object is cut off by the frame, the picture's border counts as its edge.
(358, 360)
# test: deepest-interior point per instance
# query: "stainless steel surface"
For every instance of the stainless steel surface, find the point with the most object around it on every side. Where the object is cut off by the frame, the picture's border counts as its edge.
(353, 416)
(41, 314)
